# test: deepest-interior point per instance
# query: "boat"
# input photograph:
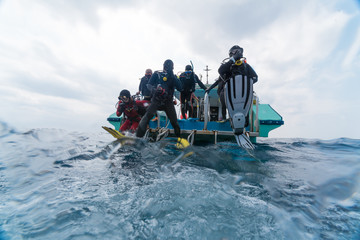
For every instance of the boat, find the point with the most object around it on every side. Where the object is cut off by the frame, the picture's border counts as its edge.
(206, 127)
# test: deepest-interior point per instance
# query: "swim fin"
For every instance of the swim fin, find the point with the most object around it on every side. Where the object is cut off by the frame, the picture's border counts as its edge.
(182, 143)
(244, 142)
(114, 133)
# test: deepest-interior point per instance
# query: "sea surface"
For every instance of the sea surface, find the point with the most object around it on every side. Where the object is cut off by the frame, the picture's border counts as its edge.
(56, 184)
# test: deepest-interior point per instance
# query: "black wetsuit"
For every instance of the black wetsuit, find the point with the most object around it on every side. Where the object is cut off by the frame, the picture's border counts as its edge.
(229, 69)
(188, 80)
(143, 88)
(161, 100)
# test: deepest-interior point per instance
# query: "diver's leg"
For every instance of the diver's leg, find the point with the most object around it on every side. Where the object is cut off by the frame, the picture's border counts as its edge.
(140, 132)
(183, 104)
(223, 104)
(188, 109)
(171, 113)
(125, 126)
(134, 126)
(191, 107)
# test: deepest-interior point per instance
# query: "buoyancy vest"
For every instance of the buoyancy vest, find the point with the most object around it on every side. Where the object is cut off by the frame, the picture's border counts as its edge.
(239, 68)
(167, 83)
(187, 81)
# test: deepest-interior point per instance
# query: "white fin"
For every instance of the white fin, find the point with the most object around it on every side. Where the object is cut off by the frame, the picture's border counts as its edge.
(244, 142)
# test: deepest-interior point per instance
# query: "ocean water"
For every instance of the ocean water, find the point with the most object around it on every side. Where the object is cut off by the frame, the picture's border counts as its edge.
(56, 184)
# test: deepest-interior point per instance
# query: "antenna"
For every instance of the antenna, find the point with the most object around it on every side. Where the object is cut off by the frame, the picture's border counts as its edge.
(207, 74)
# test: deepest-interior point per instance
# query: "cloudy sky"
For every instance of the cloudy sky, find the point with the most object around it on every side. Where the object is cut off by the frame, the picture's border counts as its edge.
(63, 63)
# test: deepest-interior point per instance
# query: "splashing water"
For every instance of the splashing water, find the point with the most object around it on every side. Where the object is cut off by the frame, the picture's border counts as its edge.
(56, 184)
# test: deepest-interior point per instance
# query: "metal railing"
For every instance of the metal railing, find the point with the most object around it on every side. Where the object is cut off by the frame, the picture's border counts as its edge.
(254, 125)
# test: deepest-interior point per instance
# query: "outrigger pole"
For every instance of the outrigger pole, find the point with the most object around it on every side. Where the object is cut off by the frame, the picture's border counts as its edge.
(207, 74)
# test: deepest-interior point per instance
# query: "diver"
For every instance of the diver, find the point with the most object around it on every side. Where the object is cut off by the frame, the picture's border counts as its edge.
(236, 65)
(133, 110)
(239, 95)
(162, 85)
(188, 80)
(142, 86)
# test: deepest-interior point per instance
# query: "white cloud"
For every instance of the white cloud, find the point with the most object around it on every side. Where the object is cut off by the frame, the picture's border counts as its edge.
(78, 55)
(295, 68)
(353, 52)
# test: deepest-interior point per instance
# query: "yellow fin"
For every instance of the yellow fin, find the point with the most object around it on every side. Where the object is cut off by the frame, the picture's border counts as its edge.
(182, 143)
(188, 154)
(114, 133)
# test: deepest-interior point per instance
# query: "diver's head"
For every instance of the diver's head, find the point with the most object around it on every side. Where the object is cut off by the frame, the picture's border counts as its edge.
(168, 65)
(235, 49)
(148, 72)
(124, 95)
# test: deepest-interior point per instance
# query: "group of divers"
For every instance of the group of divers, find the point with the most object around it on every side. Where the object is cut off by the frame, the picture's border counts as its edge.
(158, 89)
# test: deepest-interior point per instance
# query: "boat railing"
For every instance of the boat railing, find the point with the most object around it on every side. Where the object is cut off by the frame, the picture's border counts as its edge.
(162, 133)
(158, 119)
(206, 110)
(191, 136)
(197, 103)
(254, 125)
(199, 107)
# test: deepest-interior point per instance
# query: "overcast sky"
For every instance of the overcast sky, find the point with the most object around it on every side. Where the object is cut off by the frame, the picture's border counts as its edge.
(63, 63)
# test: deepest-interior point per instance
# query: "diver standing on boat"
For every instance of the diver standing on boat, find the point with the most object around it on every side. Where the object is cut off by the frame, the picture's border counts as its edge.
(133, 110)
(188, 80)
(142, 86)
(162, 85)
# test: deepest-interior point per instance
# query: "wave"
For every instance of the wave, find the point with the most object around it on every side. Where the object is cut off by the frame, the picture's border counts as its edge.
(63, 184)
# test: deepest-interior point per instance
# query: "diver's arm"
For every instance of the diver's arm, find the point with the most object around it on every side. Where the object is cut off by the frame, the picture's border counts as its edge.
(120, 109)
(214, 84)
(252, 73)
(151, 85)
(141, 84)
(224, 69)
(199, 82)
(178, 84)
